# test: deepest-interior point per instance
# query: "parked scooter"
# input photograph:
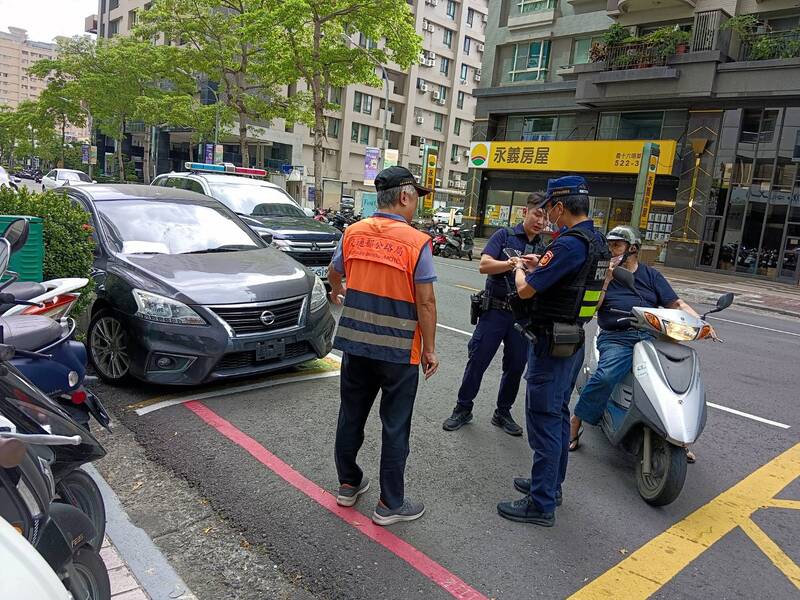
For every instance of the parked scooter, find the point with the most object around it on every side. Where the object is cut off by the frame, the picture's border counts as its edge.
(59, 366)
(660, 407)
(460, 243)
(61, 533)
(54, 298)
(439, 241)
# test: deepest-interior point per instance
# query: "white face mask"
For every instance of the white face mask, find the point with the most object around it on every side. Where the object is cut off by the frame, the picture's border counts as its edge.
(551, 224)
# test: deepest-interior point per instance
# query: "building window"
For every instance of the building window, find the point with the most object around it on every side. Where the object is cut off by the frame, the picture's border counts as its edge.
(464, 71)
(365, 42)
(451, 9)
(444, 66)
(631, 126)
(470, 17)
(467, 44)
(460, 102)
(454, 152)
(442, 92)
(438, 122)
(530, 61)
(457, 126)
(447, 37)
(362, 103)
(529, 6)
(359, 133)
(582, 48)
(757, 127)
(335, 95)
(113, 27)
(112, 4)
(334, 126)
(131, 18)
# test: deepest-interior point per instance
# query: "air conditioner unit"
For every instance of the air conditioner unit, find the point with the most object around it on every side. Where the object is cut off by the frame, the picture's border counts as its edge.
(480, 47)
(464, 82)
(436, 95)
(423, 87)
(456, 159)
(477, 75)
(422, 141)
(420, 120)
(424, 24)
(466, 153)
(331, 152)
(430, 62)
(441, 101)
(485, 18)
(431, 28)
(431, 55)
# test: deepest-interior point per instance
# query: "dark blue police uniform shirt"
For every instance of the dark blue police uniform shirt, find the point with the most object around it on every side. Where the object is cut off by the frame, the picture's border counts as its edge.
(496, 284)
(653, 287)
(564, 257)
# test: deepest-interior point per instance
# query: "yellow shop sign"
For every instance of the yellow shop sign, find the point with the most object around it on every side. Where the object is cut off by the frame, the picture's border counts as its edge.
(596, 156)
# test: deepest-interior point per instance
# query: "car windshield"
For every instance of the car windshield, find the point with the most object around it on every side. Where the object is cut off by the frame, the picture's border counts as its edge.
(256, 200)
(75, 176)
(171, 227)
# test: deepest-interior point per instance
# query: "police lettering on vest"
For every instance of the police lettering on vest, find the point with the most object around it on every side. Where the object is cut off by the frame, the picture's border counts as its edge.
(379, 318)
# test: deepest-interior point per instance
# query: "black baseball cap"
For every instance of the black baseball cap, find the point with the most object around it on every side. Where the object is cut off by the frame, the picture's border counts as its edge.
(397, 176)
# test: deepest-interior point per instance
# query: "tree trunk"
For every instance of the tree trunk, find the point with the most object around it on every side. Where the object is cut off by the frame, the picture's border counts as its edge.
(120, 161)
(191, 151)
(146, 155)
(63, 140)
(319, 117)
(243, 140)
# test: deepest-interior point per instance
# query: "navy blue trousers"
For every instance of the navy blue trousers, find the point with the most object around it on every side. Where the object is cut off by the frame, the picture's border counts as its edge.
(360, 381)
(550, 382)
(494, 326)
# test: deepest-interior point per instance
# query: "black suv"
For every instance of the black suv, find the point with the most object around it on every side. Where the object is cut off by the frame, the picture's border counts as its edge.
(269, 211)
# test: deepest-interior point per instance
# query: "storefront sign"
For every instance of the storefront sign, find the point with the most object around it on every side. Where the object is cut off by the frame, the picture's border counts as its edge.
(496, 215)
(649, 184)
(430, 177)
(371, 160)
(369, 204)
(599, 156)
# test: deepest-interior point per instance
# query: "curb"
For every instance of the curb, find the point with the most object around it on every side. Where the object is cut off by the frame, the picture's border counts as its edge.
(143, 558)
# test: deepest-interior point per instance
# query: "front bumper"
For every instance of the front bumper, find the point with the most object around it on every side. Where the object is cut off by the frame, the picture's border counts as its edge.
(203, 354)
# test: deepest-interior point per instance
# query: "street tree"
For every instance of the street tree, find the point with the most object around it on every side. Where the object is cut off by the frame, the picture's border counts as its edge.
(60, 103)
(318, 44)
(226, 42)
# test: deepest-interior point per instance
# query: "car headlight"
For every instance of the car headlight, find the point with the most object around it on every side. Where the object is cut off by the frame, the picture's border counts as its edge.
(282, 244)
(319, 295)
(680, 332)
(164, 310)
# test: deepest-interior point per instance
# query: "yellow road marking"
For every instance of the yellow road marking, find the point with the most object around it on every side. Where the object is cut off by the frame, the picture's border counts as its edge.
(649, 568)
(466, 287)
(779, 503)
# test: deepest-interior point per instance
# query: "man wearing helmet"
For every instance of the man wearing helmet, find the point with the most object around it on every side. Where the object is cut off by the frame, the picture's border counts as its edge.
(616, 340)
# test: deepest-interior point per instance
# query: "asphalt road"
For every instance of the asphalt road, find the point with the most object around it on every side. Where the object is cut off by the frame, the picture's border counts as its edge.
(264, 481)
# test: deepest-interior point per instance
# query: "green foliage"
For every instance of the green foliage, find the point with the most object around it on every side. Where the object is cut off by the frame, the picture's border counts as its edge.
(68, 244)
(744, 25)
(666, 40)
(616, 34)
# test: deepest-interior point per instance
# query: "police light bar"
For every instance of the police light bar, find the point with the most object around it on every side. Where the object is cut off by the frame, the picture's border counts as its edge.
(224, 168)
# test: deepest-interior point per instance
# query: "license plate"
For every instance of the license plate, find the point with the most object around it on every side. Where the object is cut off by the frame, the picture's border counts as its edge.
(269, 350)
(321, 272)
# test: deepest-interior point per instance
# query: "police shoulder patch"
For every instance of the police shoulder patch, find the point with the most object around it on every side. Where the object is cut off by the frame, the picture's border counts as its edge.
(548, 256)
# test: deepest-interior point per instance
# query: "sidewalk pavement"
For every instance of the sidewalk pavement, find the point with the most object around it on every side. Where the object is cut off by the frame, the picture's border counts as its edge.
(706, 286)
(124, 585)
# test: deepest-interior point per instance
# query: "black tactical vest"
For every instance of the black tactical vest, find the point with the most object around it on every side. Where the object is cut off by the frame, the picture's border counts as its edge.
(574, 300)
(502, 285)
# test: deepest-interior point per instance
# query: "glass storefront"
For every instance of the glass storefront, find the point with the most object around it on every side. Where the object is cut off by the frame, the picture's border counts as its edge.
(752, 223)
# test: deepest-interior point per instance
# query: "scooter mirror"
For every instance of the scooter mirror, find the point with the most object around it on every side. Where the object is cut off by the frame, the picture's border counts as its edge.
(724, 301)
(624, 277)
(17, 235)
(5, 254)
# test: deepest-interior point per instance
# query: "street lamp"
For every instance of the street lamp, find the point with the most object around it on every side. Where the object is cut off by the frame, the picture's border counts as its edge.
(386, 82)
(216, 110)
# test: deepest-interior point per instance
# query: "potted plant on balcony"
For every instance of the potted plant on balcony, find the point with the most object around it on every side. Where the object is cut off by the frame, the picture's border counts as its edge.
(668, 41)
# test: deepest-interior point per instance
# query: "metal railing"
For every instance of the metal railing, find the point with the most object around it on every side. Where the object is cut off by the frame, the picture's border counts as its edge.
(773, 44)
(706, 29)
(636, 55)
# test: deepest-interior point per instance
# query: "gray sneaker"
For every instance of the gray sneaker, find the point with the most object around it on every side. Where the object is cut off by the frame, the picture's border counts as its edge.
(348, 495)
(410, 510)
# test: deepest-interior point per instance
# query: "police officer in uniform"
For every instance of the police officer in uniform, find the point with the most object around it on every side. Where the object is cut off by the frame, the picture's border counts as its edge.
(496, 323)
(559, 293)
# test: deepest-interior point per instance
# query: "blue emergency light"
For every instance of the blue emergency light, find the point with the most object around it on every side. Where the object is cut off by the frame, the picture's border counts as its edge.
(224, 168)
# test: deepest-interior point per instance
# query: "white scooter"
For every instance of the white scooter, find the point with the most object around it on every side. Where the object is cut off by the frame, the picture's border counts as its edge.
(660, 406)
(54, 298)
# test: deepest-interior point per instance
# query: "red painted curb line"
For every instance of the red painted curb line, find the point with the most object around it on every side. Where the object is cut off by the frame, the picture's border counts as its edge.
(397, 546)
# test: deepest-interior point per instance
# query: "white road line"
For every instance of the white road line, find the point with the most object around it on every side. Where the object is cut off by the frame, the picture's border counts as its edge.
(711, 404)
(755, 326)
(749, 416)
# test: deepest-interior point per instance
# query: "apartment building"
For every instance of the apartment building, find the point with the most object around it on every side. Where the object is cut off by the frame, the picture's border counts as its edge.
(430, 105)
(17, 55)
(721, 100)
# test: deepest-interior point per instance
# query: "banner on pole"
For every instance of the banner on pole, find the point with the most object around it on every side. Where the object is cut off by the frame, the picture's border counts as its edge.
(93, 155)
(218, 152)
(85, 154)
(430, 177)
(371, 160)
(392, 158)
(208, 156)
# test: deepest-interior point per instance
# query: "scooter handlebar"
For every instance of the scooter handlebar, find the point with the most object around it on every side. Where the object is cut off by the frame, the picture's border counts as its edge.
(43, 439)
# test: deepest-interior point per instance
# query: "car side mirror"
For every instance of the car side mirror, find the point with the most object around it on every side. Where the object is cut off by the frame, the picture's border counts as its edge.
(625, 277)
(267, 237)
(309, 212)
(94, 180)
(17, 234)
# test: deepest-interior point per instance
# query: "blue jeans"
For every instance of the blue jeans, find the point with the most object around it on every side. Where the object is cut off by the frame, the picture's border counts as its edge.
(616, 358)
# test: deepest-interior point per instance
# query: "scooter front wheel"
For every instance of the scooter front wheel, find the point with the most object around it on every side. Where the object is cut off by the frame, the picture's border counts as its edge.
(89, 577)
(79, 489)
(667, 472)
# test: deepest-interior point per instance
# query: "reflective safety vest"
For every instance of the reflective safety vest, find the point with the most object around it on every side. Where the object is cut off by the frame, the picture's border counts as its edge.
(575, 299)
(379, 318)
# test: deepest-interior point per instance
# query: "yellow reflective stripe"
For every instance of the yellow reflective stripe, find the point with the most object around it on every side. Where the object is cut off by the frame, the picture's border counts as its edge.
(591, 295)
(587, 311)
(375, 339)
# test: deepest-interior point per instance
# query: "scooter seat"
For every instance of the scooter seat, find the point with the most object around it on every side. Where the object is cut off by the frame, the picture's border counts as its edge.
(22, 290)
(30, 332)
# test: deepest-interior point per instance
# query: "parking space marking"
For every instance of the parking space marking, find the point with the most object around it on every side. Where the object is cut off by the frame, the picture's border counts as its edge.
(466, 287)
(749, 416)
(653, 565)
(394, 544)
(319, 369)
(756, 326)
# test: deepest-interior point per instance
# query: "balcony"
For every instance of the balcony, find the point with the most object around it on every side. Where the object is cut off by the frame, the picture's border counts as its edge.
(615, 7)
(771, 45)
(530, 13)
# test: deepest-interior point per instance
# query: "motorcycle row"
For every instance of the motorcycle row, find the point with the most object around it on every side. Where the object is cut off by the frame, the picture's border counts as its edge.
(453, 242)
(338, 219)
(52, 515)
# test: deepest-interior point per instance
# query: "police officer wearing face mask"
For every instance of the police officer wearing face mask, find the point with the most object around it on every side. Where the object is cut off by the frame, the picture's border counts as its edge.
(559, 293)
(496, 322)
